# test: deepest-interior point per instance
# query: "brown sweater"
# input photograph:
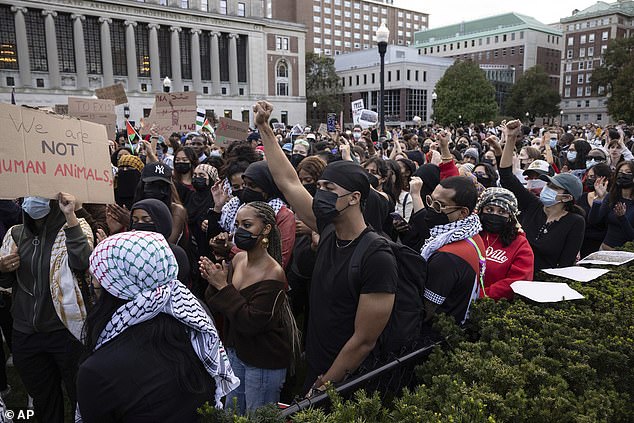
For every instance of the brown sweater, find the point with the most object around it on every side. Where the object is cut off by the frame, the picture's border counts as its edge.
(252, 327)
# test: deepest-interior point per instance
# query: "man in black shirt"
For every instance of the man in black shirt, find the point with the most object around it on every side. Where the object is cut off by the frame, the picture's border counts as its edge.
(345, 320)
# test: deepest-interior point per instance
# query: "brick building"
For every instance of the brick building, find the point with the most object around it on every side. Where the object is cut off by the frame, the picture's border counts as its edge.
(344, 26)
(586, 34)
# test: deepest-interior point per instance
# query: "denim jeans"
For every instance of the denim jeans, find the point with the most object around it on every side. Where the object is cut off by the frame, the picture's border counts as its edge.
(258, 387)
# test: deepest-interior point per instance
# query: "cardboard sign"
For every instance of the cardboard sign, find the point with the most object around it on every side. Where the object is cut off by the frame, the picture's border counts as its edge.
(61, 109)
(173, 112)
(323, 129)
(43, 153)
(230, 130)
(114, 92)
(96, 111)
(368, 118)
(357, 106)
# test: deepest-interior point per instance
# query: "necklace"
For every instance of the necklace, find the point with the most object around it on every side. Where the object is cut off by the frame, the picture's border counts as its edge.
(343, 246)
(494, 241)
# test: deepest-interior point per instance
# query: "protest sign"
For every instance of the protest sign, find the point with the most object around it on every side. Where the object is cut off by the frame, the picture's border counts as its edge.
(616, 258)
(43, 153)
(357, 106)
(545, 292)
(96, 111)
(323, 129)
(173, 112)
(61, 109)
(230, 130)
(577, 273)
(278, 126)
(368, 118)
(114, 92)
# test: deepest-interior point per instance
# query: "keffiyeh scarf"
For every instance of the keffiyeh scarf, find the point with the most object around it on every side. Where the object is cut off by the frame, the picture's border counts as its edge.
(140, 267)
(230, 211)
(451, 232)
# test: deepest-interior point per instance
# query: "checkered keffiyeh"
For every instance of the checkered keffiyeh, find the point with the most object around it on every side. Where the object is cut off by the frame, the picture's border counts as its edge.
(140, 267)
(500, 197)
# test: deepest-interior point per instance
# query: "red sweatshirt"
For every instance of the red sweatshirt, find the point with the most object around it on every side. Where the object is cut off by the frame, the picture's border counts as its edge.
(506, 265)
(448, 169)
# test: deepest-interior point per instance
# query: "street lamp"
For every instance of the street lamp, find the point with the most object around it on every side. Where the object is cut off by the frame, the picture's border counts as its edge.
(434, 97)
(382, 37)
(167, 84)
(460, 119)
(126, 112)
(528, 117)
(314, 114)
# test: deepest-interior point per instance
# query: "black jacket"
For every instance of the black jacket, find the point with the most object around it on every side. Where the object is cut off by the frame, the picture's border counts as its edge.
(33, 309)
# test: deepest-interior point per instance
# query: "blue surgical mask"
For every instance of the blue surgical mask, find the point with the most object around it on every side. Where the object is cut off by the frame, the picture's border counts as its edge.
(36, 207)
(215, 153)
(571, 156)
(170, 150)
(548, 197)
(590, 163)
(553, 142)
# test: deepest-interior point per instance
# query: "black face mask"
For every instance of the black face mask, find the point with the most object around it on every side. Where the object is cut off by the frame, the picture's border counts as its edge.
(159, 192)
(590, 183)
(237, 192)
(425, 149)
(127, 181)
(248, 196)
(245, 240)
(624, 180)
(325, 207)
(141, 226)
(296, 159)
(462, 147)
(493, 223)
(488, 161)
(200, 184)
(311, 188)
(182, 167)
(433, 218)
(374, 181)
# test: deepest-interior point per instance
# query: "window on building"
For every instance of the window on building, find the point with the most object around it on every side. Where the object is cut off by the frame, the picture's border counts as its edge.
(521, 35)
(582, 39)
(416, 73)
(281, 79)
(186, 54)
(65, 45)
(590, 51)
(204, 5)
(8, 53)
(185, 4)
(222, 7)
(588, 91)
(579, 91)
(591, 38)
(165, 51)
(580, 78)
(569, 54)
(581, 65)
(118, 45)
(242, 9)
(605, 35)
(36, 37)
(567, 92)
(92, 43)
(373, 79)
(205, 57)
(568, 79)
(488, 40)
(587, 103)
(582, 52)
(599, 117)
(389, 76)
(223, 52)
(398, 75)
(571, 41)
(409, 74)
(141, 37)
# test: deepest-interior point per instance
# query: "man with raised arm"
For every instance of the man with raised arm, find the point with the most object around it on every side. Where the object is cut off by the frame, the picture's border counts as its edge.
(346, 318)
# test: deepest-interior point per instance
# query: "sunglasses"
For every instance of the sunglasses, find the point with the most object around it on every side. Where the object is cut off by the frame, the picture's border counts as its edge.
(436, 206)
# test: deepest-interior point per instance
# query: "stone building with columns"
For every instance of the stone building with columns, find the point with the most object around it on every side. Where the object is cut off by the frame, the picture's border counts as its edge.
(224, 50)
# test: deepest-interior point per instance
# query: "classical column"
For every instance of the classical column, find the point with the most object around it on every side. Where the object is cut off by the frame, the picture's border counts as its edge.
(80, 51)
(177, 80)
(130, 53)
(233, 63)
(22, 46)
(155, 63)
(215, 64)
(106, 52)
(196, 72)
(51, 49)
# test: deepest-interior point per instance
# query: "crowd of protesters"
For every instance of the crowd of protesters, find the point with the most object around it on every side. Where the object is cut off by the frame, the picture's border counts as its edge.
(221, 273)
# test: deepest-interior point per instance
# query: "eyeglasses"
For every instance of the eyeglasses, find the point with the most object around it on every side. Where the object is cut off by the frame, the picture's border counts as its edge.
(436, 206)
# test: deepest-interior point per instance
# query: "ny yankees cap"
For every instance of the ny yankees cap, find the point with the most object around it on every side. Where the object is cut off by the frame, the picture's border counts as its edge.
(156, 172)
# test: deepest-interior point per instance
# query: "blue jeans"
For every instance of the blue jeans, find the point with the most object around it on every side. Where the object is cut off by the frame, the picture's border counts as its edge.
(258, 387)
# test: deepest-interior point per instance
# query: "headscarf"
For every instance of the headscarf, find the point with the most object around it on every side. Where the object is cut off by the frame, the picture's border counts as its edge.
(500, 197)
(260, 174)
(130, 161)
(430, 174)
(211, 171)
(141, 268)
(160, 214)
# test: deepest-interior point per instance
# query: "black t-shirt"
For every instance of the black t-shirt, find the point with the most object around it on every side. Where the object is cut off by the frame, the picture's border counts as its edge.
(127, 380)
(377, 212)
(333, 302)
(555, 244)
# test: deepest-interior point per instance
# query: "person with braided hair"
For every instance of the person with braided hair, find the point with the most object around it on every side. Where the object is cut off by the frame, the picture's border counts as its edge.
(260, 332)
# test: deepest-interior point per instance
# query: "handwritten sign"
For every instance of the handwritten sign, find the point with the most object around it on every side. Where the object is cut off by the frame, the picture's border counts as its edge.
(114, 92)
(357, 107)
(96, 111)
(323, 129)
(43, 153)
(173, 112)
(230, 130)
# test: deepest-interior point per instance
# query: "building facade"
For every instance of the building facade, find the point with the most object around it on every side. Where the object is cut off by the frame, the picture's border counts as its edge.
(409, 82)
(343, 26)
(225, 51)
(504, 46)
(586, 36)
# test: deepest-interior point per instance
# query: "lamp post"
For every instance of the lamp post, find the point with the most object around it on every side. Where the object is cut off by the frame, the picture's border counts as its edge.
(382, 37)
(561, 117)
(434, 97)
(528, 117)
(314, 115)
(460, 119)
(167, 84)
(126, 112)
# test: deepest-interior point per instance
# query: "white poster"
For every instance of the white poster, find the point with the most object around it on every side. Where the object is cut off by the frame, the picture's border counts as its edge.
(357, 107)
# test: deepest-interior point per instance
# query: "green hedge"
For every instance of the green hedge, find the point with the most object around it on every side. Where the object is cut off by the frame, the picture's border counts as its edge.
(519, 362)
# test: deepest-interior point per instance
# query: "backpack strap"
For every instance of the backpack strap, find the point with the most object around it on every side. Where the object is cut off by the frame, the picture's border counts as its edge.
(354, 269)
(482, 259)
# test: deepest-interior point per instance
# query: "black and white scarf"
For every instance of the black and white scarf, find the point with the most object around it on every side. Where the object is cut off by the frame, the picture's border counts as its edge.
(451, 232)
(230, 211)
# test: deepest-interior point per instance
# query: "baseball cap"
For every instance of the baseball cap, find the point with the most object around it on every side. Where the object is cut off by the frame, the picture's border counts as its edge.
(539, 166)
(310, 136)
(567, 181)
(287, 147)
(157, 172)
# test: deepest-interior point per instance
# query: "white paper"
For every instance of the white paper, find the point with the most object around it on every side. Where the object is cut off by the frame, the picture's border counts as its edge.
(577, 273)
(545, 292)
(615, 258)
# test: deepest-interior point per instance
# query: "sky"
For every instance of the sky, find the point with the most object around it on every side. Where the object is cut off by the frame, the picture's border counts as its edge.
(447, 12)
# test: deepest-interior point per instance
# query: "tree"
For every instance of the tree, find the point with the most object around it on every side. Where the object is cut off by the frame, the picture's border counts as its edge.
(614, 79)
(464, 95)
(323, 86)
(533, 93)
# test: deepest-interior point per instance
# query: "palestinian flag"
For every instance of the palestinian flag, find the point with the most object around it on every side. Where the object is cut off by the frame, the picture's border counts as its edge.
(200, 118)
(131, 134)
(207, 126)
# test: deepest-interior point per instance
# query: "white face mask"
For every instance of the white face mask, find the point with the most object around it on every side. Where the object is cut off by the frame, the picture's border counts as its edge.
(36, 207)
(215, 153)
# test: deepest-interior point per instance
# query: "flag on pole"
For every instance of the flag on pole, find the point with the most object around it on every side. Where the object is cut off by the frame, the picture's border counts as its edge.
(131, 134)
(200, 118)
(207, 126)
(13, 96)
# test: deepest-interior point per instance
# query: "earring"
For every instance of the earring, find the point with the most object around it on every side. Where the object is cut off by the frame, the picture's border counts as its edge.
(265, 243)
